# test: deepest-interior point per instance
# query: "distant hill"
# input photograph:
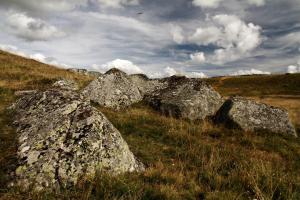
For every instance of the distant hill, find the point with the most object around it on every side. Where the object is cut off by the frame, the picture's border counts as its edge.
(257, 85)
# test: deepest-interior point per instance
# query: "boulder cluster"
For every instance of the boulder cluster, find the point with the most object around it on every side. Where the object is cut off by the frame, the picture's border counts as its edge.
(187, 98)
(62, 137)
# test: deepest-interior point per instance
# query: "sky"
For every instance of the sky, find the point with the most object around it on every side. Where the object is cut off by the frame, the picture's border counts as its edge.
(197, 38)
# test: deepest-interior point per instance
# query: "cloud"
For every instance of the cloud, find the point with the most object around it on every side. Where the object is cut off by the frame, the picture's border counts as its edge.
(257, 2)
(198, 58)
(12, 49)
(196, 75)
(124, 65)
(97, 34)
(42, 6)
(168, 71)
(117, 3)
(216, 3)
(32, 29)
(249, 72)
(207, 3)
(206, 35)
(233, 37)
(177, 34)
(292, 69)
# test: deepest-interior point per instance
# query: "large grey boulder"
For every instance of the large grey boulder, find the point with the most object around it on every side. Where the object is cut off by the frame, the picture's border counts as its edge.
(251, 116)
(147, 86)
(62, 138)
(114, 89)
(186, 98)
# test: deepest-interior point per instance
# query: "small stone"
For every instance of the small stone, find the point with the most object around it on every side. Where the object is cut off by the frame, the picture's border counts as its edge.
(33, 157)
(25, 149)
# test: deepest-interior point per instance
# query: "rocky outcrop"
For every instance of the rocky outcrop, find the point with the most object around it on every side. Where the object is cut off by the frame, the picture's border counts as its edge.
(66, 84)
(76, 70)
(94, 73)
(62, 138)
(85, 72)
(248, 115)
(147, 86)
(186, 98)
(114, 89)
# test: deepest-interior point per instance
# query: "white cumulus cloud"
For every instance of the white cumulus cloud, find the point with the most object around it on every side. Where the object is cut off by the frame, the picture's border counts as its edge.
(32, 29)
(206, 35)
(249, 72)
(207, 3)
(257, 2)
(216, 3)
(168, 71)
(196, 75)
(123, 65)
(292, 69)
(177, 34)
(117, 3)
(198, 57)
(233, 37)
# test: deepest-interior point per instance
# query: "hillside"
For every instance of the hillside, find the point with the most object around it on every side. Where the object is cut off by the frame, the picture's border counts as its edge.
(185, 160)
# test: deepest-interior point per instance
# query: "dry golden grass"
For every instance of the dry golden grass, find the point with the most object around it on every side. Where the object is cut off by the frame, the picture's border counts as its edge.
(19, 73)
(290, 102)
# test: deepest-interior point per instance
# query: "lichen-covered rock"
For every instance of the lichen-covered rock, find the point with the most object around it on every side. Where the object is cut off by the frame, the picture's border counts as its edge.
(66, 84)
(94, 73)
(22, 93)
(186, 98)
(114, 89)
(62, 138)
(251, 116)
(147, 86)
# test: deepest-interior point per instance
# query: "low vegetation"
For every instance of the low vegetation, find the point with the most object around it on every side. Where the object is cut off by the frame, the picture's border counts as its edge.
(185, 160)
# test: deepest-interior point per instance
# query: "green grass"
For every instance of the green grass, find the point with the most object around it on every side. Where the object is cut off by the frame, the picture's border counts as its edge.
(185, 160)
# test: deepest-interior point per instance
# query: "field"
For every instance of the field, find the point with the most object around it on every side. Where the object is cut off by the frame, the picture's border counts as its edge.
(185, 160)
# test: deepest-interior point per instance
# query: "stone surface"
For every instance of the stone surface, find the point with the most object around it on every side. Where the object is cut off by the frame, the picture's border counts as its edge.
(24, 92)
(62, 138)
(80, 71)
(66, 84)
(147, 86)
(186, 98)
(94, 73)
(85, 72)
(114, 89)
(251, 116)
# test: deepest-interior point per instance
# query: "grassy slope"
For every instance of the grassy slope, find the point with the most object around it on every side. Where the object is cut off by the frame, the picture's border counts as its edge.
(258, 85)
(185, 160)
